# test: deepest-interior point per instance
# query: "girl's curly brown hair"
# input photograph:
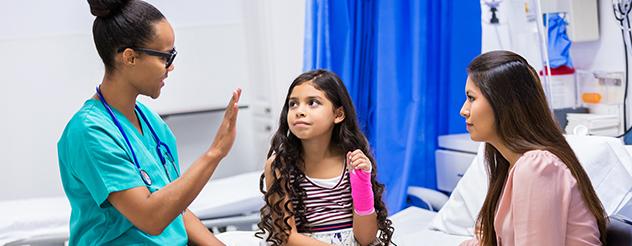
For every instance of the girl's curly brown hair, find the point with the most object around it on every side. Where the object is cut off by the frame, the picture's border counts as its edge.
(286, 147)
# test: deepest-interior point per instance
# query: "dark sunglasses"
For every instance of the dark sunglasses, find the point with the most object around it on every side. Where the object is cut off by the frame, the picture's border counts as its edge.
(168, 57)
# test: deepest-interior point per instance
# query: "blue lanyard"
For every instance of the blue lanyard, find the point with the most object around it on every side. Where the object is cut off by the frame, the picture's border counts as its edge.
(159, 144)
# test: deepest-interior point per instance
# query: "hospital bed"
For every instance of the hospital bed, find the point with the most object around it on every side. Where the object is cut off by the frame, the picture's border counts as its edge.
(231, 202)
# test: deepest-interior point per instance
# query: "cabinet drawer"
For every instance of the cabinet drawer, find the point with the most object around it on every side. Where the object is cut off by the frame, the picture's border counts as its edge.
(451, 166)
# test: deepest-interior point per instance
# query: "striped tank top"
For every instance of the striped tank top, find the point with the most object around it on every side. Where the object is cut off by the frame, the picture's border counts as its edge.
(326, 209)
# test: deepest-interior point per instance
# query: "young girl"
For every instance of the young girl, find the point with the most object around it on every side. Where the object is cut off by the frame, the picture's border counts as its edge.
(538, 194)
(320, 176)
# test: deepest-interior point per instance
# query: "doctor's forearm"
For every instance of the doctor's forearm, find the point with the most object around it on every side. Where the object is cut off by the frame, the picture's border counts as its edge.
(197, 233)
(164, 205)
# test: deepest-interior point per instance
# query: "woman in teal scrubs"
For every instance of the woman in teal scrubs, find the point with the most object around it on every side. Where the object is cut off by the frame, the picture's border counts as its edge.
(118, 159)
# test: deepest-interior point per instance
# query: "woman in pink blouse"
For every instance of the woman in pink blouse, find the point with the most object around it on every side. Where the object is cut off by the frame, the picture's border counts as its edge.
(538, 192)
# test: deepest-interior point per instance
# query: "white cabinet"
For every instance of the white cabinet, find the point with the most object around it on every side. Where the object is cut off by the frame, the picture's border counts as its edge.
(451, 166)
(454, 156)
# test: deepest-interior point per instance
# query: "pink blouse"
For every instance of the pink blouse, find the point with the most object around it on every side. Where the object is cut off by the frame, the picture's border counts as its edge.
(541, 204)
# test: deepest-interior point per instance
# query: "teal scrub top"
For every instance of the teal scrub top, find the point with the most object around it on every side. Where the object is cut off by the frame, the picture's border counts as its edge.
(94, 161)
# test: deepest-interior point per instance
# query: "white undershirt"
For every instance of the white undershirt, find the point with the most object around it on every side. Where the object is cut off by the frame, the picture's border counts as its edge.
(327, 183)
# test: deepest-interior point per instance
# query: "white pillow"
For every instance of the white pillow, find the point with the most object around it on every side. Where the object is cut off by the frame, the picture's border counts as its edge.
(626, 209)
(629, 150)
(45, 217)
(605, 160)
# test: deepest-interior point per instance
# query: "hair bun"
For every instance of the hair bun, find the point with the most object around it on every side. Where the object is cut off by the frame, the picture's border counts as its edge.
(104, 8)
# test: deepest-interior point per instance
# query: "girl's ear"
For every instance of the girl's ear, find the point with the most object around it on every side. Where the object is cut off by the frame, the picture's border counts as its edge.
(340, 115)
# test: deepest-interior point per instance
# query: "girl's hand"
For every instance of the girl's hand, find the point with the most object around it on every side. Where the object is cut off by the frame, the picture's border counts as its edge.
(225, 136)
(358, 160)
(361, 187)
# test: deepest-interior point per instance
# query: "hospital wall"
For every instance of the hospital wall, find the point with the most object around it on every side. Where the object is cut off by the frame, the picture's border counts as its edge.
(50, 66)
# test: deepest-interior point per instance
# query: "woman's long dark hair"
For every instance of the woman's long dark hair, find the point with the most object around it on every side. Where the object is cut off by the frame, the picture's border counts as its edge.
(523, 122)
(287, 148)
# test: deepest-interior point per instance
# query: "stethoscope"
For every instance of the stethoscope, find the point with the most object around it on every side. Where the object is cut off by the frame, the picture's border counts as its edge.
(621, 11)
(159, 144)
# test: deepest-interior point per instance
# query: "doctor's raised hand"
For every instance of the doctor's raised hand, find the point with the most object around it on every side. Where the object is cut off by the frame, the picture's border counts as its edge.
(227, 131)
(118, 159)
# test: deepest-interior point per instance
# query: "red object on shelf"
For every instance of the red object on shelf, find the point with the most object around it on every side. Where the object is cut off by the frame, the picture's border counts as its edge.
(561, 70)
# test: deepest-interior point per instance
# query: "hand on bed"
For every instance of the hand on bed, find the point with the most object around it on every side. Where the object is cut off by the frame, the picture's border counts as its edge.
(360, 178)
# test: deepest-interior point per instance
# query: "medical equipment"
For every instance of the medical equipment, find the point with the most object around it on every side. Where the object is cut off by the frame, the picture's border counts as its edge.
(611, 84)
(583, 25)
(503, 41)
(558, 42)
(621, 10)
(159, 144)
(493, 7)
(544, 53)
(361, 192)
(592, 124)
(600, 87)
(563, 87)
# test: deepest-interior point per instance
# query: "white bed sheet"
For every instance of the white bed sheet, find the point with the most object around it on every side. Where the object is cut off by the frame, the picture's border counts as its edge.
(239, 238)
(412, 228)
(629, 149)
(34, 218)
(626, 209)
(230, 196)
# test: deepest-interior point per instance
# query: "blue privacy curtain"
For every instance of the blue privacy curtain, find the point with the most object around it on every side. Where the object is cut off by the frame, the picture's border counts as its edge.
(403, 63)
